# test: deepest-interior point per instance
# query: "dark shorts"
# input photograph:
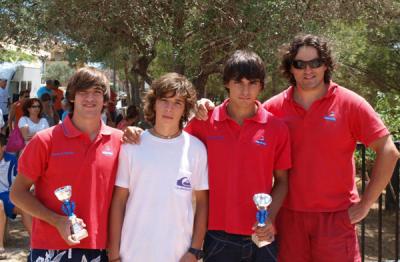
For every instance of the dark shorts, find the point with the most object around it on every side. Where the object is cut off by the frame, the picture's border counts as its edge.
(220, 246)
(5, 118)
(8, 206)
(68, 255)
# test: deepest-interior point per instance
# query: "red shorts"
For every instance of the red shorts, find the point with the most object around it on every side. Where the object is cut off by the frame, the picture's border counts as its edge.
(314, 236)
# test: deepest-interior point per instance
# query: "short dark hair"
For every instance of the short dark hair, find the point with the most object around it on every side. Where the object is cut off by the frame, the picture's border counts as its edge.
(3, 140)
(28, 103)
(49, 82)
(289, 52)
(244, 64)
(131, 112)
(45, 97)
(85, 78)
(56, 83)
(169, 85)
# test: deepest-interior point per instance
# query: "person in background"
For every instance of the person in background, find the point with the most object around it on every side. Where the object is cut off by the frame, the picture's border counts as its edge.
(47, 88)
(32, 121)
(57, 98)
(4, 102)
(8, 172)
(16, 111)
(130, 119)
(49, 112)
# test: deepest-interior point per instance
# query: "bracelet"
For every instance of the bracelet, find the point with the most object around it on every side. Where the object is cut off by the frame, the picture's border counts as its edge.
(115, 259)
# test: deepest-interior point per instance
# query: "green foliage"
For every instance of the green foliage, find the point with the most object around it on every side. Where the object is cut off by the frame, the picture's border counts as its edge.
(388, 107)
(15, 56)
(58, 70)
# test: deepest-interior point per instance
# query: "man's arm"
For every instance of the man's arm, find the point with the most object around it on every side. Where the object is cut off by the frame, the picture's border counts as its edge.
(22, 198)
(117, 213)
(278, 194)
(385, 161)
(200, 224)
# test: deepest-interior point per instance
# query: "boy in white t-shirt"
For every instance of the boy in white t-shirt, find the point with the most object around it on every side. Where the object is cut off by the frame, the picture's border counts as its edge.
(151, 216)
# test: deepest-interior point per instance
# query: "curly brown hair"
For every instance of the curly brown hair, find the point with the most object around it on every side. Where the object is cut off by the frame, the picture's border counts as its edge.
(289, 51)
(169, 85)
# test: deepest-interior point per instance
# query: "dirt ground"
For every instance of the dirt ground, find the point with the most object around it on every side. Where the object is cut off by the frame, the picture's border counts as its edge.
(17, 243)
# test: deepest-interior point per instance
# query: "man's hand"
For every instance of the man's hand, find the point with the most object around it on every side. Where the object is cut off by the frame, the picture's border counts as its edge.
(357, 212)
(63, 225)
(132, 135)
(188, 257)
(265, 233)
(203, 106)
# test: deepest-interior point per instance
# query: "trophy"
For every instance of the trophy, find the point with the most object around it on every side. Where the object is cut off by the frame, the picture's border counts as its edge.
(262, 202)
(64, 195)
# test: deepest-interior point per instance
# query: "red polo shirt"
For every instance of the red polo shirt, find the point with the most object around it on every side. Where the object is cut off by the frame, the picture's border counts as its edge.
(241, 160)
(63, 155)
(323, 142)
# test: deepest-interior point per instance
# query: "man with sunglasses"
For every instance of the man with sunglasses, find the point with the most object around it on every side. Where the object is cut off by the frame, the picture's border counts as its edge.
(317, 220)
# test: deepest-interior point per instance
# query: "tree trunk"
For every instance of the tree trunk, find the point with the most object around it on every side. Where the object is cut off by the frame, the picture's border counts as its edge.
(200, 84)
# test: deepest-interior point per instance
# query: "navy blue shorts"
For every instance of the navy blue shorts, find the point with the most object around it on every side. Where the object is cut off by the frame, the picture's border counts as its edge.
(68, 255)
(8, 206)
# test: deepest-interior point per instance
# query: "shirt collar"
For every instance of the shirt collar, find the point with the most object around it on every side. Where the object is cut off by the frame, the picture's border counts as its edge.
(221, 113)
(71, 131)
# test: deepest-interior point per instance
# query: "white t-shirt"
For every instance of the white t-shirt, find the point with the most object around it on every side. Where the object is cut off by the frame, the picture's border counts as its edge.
(4, 183)
(32, 126)
(4, 96)
(160, 175)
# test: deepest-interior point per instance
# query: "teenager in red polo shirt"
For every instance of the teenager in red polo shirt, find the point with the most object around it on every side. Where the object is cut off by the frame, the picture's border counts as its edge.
(317, 221)
(248, 152)
(81, 152)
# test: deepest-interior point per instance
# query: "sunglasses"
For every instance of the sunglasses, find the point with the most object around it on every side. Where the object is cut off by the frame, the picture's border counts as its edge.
(35, 106)
(300, 64)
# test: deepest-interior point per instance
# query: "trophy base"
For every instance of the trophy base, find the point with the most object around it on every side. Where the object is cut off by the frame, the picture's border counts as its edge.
(81, 234)
(258, 242)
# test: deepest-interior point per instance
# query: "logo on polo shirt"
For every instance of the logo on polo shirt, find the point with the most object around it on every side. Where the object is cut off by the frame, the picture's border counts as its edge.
(261, 141)
(107, 151)
(183, 183)
(215, 137)
(330, 117)
(62, 153)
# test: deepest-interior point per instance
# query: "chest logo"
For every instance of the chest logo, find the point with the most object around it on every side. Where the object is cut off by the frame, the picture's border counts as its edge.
(261, 141)
(107, 151)
(331, 117)
(183, 183)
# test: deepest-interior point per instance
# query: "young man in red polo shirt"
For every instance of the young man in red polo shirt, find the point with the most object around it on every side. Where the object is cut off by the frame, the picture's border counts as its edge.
(81, 152)
(325, 120)
(248, 152)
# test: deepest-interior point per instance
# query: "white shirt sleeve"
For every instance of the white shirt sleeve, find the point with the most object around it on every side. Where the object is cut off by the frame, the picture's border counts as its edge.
(43, 123)
(200, 176)
(23, 121)
(124, 167)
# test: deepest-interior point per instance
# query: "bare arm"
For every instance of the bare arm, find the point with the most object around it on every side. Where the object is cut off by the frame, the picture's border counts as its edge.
(200, 224)
(11, 116)
(23, 199)
(385, 161)
(25, 133)
(117, 213)
(278, 194)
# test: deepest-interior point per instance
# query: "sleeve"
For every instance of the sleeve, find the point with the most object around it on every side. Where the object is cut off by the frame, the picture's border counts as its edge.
(34, 158)
(283, 150)
(366, 125)
(200, 175)
(23, 121)
(124, 171)
(45, 123)
(198, 128)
